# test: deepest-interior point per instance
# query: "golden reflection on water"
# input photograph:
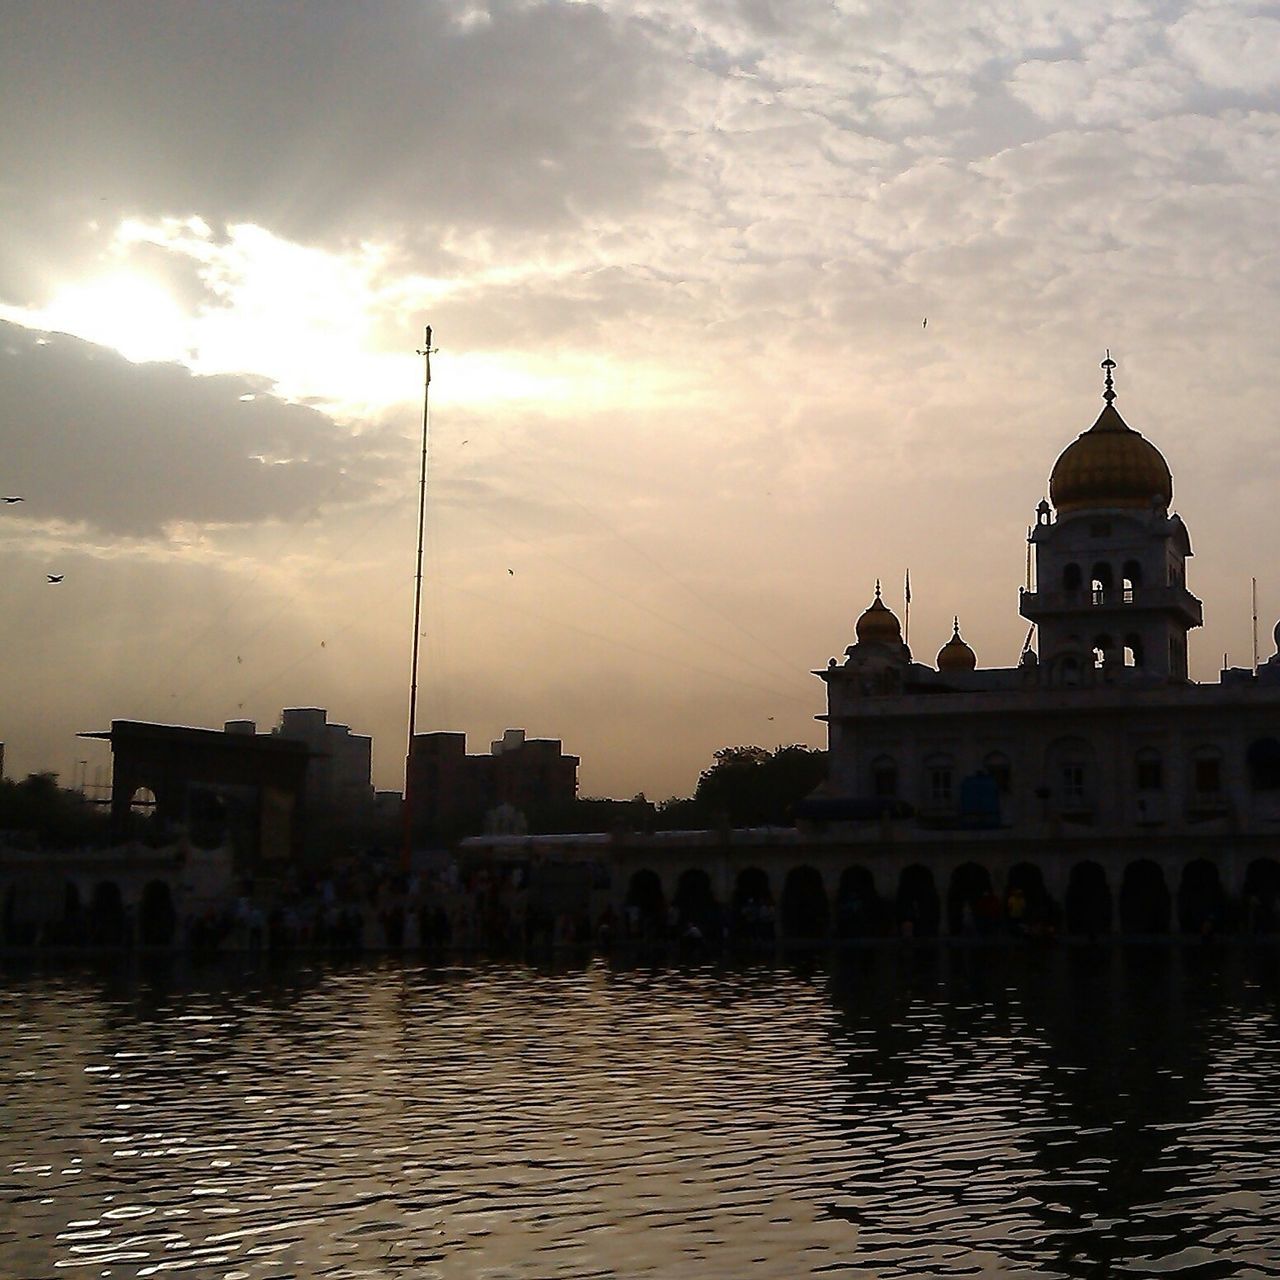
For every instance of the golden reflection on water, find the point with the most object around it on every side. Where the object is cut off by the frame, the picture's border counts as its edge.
(905, 1114)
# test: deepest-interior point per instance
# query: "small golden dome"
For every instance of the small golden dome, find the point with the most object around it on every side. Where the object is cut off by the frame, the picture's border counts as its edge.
(878, 624)
(955, 655)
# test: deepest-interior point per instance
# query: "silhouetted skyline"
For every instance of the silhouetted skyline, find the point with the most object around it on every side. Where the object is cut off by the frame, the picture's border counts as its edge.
(687, 407)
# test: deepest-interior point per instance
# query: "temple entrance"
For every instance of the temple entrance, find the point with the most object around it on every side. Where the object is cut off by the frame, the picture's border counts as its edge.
(1088, 905)
(1261, 896)
(918, 908)
(859, 911)
(646, 905)
(753, 906)
(972, 907)
(804, 904)
(696, 904)
(1040, 914)
(1202, 904)
(1144, 899)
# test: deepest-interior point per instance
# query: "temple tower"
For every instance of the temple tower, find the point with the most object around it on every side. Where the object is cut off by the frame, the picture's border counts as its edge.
(1111, 601)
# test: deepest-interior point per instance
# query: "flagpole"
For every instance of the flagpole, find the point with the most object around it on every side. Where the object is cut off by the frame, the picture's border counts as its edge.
(1255, 627)
(407, 807)
(906, 627)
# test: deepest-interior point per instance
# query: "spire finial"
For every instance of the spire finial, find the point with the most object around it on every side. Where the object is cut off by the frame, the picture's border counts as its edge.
(1109, 394)
(877, 588)
(956, 624)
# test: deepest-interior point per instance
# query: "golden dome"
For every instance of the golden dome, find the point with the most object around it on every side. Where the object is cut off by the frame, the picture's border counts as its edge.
(955, 655)
(878, 624)
(1110, 465)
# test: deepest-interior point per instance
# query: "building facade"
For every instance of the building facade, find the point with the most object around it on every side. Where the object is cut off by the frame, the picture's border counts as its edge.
(452, 793)
(1091, 787)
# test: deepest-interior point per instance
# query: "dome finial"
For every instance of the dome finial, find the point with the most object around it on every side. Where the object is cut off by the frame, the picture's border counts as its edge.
(1109, 394)
(877, 588)
(956, 625)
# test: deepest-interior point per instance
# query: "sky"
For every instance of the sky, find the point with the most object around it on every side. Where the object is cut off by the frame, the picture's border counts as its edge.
(685, 409)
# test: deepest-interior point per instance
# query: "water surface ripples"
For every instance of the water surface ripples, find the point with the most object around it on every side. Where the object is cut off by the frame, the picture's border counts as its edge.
(903, 1114)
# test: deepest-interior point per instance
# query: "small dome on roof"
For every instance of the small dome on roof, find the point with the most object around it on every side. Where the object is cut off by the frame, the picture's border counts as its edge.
(955, 655)
(878, 624)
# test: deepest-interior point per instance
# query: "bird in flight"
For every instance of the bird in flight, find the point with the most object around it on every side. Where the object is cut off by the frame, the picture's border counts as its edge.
(55, 577)
(15, 499)
(926, 323)
(512, 572)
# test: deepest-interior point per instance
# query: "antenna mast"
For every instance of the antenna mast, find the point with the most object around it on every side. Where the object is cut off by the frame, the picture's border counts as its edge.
(425, 351)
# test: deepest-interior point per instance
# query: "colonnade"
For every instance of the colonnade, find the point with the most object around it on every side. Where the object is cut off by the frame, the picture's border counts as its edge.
(818, 894)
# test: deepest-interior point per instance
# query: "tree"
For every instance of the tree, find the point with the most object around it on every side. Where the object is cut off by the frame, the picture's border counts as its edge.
(749, 786)
(38, 812)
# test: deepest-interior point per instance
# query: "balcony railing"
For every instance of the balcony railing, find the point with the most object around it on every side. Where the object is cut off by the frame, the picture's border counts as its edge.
(1174, 597)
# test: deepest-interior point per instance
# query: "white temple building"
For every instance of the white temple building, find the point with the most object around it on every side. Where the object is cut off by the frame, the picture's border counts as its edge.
(1097, 744)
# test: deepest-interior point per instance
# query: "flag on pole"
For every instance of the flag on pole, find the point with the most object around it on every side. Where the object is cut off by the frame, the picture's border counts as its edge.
(908, 586)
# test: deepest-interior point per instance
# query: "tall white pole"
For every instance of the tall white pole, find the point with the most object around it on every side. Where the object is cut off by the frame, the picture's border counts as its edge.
(407, 808)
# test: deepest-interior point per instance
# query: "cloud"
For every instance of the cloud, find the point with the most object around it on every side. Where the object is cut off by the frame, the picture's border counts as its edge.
(326, 124)
(125, 449)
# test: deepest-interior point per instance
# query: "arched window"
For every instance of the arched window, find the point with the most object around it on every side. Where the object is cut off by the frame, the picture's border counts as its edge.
(1133, 650)
(143, 802)
(1070, 669)
(1148, 770)
(939, 780)
(884, 778)
(1069, 773)
(996, 765)
(1101, 581)
(1131, 575)
(1206, 773)
(1072, 577)
(1102, 650)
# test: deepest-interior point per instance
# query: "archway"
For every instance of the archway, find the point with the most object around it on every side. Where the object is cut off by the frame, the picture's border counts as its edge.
(156, 918)
(859, 910)
(69, 931)
(1202, 904)
(971, 905)
(804, 904)
(646, 905)
(1039, 912)
(1144, 899)
(753, 905)
(108, 925)
(918, 908)
(696, 903)
(1261, 895)
(1088, 905)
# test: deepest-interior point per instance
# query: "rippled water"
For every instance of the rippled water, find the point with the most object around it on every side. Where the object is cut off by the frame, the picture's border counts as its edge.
(923, 1113)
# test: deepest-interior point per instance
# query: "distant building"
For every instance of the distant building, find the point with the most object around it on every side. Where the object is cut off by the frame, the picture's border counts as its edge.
(339, 772)
(213, 788)
(452, 792)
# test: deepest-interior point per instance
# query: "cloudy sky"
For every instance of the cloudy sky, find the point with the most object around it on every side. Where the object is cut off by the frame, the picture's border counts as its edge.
(677, 255)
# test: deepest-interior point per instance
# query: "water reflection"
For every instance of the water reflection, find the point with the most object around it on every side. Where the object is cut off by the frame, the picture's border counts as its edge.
(912, 1113)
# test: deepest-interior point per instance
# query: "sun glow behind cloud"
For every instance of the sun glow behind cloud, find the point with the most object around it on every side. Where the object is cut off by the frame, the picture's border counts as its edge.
(314, 324)
(122, 309)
